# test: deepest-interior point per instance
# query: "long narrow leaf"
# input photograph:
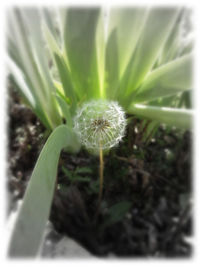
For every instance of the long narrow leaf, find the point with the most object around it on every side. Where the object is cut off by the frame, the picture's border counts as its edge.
(128, 24)
(20, 84)
(32, 60)
(62, 66)
(34, 213)
(157, 28)
(100, 54)
(68, 86)
(169, 79)
(32, 20)
(51, 41)
(173, 116)
(65, 110)
(80, 44)
(125, 25)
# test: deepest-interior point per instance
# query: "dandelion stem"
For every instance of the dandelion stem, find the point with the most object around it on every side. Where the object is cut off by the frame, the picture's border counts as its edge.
(101, 168)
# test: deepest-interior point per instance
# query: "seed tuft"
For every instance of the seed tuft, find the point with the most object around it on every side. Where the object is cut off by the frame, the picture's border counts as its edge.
(100, 123)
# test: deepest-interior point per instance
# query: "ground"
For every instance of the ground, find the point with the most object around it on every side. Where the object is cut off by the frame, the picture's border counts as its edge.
(146, 207)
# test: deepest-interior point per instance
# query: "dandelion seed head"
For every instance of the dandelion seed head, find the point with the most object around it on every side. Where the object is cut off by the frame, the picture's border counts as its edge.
(100, 123)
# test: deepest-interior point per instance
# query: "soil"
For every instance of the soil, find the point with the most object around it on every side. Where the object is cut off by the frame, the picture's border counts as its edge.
(146, 208)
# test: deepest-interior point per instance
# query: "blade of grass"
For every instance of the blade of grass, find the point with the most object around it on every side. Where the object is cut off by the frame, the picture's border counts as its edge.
(128, 24)
(63, 69)
(125, 25)
(65, 111)
(100, 54)
(19, 83)
(51, 41)
(34, 213)
(32, 19)
(27, 43)
(80, 46)
(112, 65)
(48, 16)
(171, 47)
(158, 25)
(66, 81)
(173, 116)
(169, 79)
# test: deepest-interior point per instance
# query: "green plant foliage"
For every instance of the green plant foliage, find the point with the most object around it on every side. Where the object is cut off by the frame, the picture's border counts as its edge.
(34, 213)
(76, 175)
(60, 59)
(117, 213)
(169, 79)
(147, 50)
(183, 117)
(139, 58)
(31, 65)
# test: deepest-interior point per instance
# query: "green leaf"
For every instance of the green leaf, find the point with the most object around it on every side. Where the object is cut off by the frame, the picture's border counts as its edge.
(117, 212)
(51, 41)
(125, 25)
(68, 173)
(65, 77)
(80, 44)
(100, 54)
(112, 66)
(157, 27)
(31, 19)
(83, 170)
(17, 75)
(172, 116)
(34, 213)
(169, 79)
(19, 83)
(49, 18)
(67, 86)
(82, 179)
(65, 110)
(33, 63)
(128, 24)
(171, 48)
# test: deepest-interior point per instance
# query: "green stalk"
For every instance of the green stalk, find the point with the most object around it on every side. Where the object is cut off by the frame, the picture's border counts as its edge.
(101, 168)
(101, 178)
